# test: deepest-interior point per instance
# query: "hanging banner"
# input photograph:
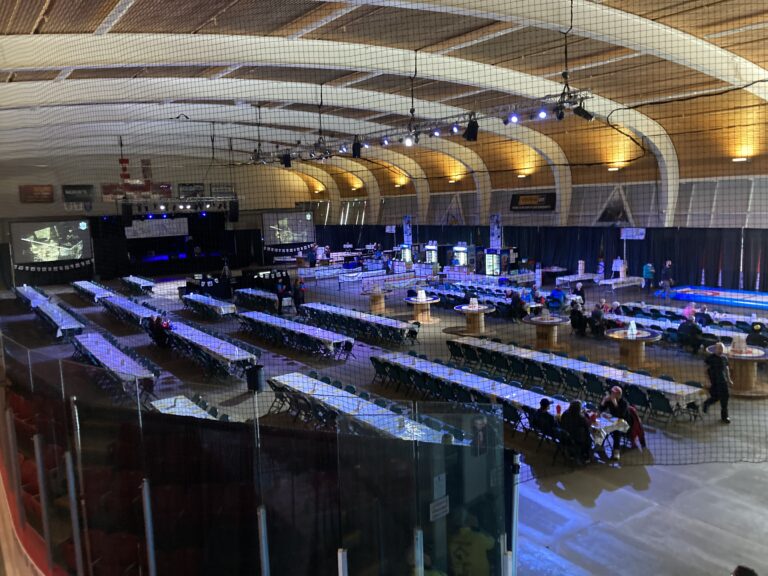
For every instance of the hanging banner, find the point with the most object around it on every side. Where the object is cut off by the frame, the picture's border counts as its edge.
(633, 233)
(36, 193)
(495, 240)
(191, 190)
(407, 232)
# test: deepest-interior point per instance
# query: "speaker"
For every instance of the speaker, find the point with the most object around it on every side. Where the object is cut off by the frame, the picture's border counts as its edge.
(254, 377)
(234, 211)
(127, 214)
(285, 160)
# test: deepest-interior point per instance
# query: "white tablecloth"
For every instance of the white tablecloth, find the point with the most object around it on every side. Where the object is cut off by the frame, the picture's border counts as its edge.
(355, 276)
(616, 283)
(328, 338)
(217, 306)
(258, 293)
(364, 316)
(93, 290)
(129, 307)
(664, 324)
(376, 417)
(497, 390)
(679, 392)
(181, 406)
(112, 358)
(142, 283)
(216, 347)
(576, 278)
(717, 316)
(30, 296)
(58, 317)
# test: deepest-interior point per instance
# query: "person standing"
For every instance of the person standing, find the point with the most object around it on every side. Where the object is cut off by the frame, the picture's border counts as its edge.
(579, 291)
(298, 293)
(281, 292)
(667, 281)
(649, 273)
(720, 379)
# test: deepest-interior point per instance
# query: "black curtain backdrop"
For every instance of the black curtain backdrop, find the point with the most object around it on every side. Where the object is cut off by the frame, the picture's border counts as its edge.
(5, 266)
(755, 259)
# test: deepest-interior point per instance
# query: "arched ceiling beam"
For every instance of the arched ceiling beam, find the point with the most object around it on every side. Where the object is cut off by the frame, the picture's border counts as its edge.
(411, 168)
(369, 181)
(130, 50)
(331, 188)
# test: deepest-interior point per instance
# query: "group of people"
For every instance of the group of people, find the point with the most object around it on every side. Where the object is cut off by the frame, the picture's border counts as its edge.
(596, 320)
(284, 290)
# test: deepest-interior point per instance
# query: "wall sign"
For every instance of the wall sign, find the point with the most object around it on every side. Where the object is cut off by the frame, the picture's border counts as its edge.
(77, 192)
(36, 193)
(191, 190)
(537, 202)
(633, 233)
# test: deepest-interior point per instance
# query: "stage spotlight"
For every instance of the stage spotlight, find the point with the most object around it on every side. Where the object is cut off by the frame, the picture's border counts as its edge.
(165, 215)
(582, 112)
(285, 160)
(366, 145)
(559, 112)
(162, 206)
(343, 149)
(542, 114)
(203, 213)
(408, 140)
(207, 205)
(385, 141)
(436, 132)
(511, 118)
(455, 128)
(189, 207)
(470, 134)
(150, 216)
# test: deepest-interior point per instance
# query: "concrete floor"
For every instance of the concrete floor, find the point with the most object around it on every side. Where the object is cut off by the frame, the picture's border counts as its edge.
(691, 504)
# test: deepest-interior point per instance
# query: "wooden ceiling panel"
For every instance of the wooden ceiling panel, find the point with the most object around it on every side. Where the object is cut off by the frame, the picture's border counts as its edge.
(180, 71)
(287, 74)
(487, 99)
(33, 75)
(76, 17)
(161, 16)
(392, 180)
(444, 172)
(257, 17)
(423, 89)
(398, 28)
(20, 16)
(514, 48)
(706, 17)
(399, 120)
(654, 9)
(332, 110)
(642, 78)
(104, 73)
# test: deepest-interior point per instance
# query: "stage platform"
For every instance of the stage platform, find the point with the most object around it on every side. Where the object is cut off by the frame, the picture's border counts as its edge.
(723, 296)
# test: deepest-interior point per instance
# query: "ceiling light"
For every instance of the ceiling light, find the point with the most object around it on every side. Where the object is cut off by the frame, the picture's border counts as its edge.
(455, 128)
(189, 206)
(408, 140)
(207, 205)
(521, 175)
(436, 132)
(343, 149)
(162, 206)
(613, 169)
(740, 159)
(511, 118)
(366, 145)
(385, 141)
(582, 112)
(398, 185)
(452, 181)
(542, 114)
(150, 216)
(165, 215)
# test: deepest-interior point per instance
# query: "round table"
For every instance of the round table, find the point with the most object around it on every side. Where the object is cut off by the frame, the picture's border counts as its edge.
(475, 317)
(546, 328)
(421, 312)
(743, 365)
(632, 350)
(376, 299)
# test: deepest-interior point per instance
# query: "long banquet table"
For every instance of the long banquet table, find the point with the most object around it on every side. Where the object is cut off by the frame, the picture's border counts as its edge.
(226, 353)
(361, 316)
(253, 297)
(181, 406)
(499, 391)
(680, 393)
(108, 356)
(715, 315)
(125, 308)
(139, 284)
(665, 324)
(30, 296)
(330, 340)
(616, 283)
(208, 305)
(376, 417)
(92, 290)
(59, 319)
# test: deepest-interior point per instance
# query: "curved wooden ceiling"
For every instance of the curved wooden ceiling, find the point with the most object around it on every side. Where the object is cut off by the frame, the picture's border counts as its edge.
(708, 116)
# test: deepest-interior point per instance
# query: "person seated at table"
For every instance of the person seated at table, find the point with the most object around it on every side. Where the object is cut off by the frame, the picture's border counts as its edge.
(616, 309)
(578, 320)
(517, 306)
(618, 407)
(757, 337)
(597, 321)
(689, 311)
(158, 331)
(556, 299)
(689, 334)
(580, 292)
(702, 316)
(604, 306)
(543, 419)
(578, 426)
(298, 293)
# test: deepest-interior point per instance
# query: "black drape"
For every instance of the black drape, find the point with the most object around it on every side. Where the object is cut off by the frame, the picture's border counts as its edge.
(755, 259)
